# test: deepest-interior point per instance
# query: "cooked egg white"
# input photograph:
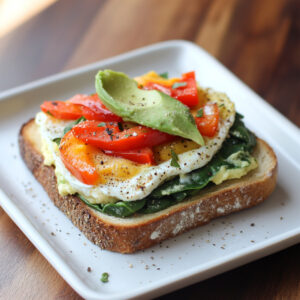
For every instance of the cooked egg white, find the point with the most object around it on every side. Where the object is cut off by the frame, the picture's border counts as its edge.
(144, 179)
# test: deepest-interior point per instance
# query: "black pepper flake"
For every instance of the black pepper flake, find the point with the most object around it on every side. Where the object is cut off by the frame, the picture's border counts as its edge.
(120, 125)
(89, 269)
(109, 131)
(252, 224)
(54, 103)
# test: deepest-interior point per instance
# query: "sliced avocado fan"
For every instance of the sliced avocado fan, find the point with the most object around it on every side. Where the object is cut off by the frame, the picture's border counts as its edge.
(152, 108)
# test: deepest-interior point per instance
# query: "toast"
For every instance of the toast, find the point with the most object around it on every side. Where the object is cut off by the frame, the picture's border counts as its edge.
(129, 235)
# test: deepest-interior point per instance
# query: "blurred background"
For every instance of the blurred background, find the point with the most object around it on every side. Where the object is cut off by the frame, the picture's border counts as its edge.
(258, 40)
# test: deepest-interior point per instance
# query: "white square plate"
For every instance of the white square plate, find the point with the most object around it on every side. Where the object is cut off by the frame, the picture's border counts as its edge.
(223, 244)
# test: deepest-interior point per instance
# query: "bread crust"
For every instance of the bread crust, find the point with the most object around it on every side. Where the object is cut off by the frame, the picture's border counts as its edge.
(140, 232)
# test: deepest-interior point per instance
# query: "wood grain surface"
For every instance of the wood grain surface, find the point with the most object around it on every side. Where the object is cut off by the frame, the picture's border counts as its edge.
(258, 40)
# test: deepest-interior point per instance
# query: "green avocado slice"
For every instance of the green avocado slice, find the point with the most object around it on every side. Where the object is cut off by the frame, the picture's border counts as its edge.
(149, 108)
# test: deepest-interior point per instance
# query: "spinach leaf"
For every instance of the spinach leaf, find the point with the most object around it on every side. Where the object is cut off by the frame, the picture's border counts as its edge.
(240, 132)
(197, 179)
(157, 204)
(120, 209)
(94, 206)
(123, 208)
(154, 205)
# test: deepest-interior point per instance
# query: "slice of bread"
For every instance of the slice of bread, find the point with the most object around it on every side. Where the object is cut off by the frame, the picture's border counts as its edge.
(139, 232)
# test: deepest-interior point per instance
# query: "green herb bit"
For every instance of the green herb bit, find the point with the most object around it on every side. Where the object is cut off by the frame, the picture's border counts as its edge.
(102, 124)
(221, 105)
(104, 277)
(174, 161)
(178, 84)
(70, 126)
(164, 75)
(81, 119)
(200, 113)
(49, 113)
(57, 141)
(127, 135)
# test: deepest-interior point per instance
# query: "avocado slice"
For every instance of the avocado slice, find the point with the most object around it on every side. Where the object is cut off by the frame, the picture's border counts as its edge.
(149, 108)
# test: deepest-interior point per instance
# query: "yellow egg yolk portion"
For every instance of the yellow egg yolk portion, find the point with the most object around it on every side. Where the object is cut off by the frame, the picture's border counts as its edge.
(111, 168)
(155, 78)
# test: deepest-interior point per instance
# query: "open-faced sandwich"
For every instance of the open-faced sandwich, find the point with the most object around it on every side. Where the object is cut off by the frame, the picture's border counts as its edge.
(146, 159)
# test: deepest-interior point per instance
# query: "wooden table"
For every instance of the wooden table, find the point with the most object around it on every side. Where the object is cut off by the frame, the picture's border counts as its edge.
(258, 40)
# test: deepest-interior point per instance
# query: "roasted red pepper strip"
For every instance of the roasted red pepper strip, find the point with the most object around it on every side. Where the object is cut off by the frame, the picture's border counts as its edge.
(141, 156)
(89, 107)
(95, 128)
(62, 110)
(78, 158)
(208, 123)
(112, 139)
(187, 93)
(93, 108)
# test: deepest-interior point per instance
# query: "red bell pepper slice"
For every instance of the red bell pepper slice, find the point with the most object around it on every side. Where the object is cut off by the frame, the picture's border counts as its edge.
(78, 158)
(141, 156)
(85, 130)
(208, 123)
(62, 110)
(93, 108)
(115, 140)
(187, 93)
(80, 105)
